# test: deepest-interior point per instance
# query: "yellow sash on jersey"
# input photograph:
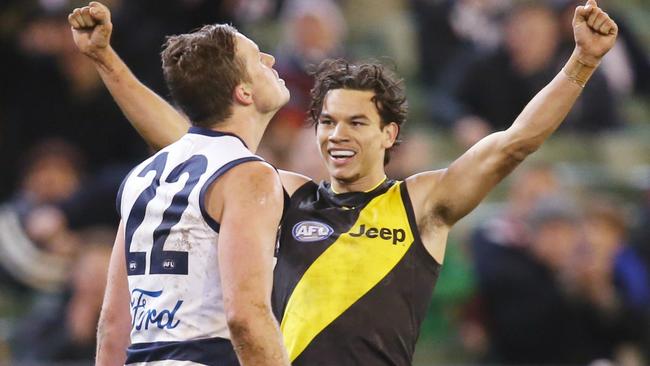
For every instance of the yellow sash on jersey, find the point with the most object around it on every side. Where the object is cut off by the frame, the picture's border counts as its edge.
(346, 270)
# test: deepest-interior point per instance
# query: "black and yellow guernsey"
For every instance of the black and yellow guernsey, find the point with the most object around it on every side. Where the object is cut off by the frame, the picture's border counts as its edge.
(353, 279)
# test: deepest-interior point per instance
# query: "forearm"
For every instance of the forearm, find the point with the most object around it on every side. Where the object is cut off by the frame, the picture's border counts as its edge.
(111, 345)
(257, 339)
(546, 111)
(459, 188)
(154, 119)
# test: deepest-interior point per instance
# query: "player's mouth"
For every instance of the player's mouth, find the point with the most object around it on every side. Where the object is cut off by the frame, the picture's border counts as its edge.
(341, 156)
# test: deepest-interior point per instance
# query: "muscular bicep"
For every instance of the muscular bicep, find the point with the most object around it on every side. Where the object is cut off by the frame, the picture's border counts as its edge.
(449, 194)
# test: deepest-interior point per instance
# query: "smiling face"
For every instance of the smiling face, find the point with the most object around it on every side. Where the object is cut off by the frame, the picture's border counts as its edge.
(352, 140)
(269, 91)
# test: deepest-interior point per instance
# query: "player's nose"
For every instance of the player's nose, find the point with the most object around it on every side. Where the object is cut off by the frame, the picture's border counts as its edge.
(338, 133)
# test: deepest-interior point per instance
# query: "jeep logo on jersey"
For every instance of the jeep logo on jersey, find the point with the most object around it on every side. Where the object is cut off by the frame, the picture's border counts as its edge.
(309, 231)
(395, 235)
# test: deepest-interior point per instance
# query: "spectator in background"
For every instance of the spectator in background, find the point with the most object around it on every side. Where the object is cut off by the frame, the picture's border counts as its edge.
(505, 270)
(61, 326)
(615, 269)
(495, 88)
(451, 32)
(451, 35)
(613, 277)
(561, 293)
(535, 310)
(52, 174)
(56, 276)
(526, 316)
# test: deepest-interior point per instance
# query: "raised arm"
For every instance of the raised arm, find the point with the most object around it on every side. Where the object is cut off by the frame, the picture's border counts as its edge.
(152, 116)
(114, 328)
(248, 200)
(450, 194)
(155, 119)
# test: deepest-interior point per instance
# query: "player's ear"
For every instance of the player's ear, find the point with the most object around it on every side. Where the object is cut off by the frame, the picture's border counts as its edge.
(390, 131)
(243, 94)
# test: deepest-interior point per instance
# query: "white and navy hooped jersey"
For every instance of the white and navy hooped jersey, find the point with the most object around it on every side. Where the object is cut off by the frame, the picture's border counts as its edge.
(171, 251)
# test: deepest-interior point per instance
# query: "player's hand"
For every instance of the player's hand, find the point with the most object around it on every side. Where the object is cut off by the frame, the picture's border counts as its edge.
(594, 32)
(91, 29)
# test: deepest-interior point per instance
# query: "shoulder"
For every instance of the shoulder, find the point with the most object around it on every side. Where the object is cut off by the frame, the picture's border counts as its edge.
(252, 186)
(255, 175)
(292, 181)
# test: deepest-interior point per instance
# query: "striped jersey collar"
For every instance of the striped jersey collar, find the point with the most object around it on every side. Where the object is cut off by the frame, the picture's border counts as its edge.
(352, 199)
(213, 133)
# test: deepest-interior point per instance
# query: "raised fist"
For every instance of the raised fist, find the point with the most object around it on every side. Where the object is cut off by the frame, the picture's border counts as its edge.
(594, 32)
(91, 28)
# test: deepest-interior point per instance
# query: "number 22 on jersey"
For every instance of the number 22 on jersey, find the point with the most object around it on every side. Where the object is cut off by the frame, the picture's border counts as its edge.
(162, 261)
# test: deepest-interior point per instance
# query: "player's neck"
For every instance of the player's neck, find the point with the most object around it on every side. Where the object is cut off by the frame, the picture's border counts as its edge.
(249, 127)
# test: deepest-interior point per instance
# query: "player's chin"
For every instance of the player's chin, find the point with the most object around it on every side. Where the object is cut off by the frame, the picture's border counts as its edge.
(286, 94)
(282, 98)
(342, 174)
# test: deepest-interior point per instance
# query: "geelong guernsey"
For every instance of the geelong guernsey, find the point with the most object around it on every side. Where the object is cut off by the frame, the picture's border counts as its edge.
(353, 279)
(171, 251)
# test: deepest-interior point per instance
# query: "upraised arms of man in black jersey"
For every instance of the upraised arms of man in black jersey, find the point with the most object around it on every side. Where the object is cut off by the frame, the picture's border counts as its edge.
(441, 198)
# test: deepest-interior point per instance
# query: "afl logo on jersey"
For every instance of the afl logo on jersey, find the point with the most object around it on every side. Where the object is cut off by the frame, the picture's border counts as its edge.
(310, 231)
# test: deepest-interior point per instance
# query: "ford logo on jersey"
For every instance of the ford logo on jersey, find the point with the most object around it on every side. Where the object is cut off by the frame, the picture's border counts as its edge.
(309, 231)
(144, 315)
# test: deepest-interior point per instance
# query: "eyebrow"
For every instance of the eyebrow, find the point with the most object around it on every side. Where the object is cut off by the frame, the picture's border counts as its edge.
(353, 117)
(359, 116)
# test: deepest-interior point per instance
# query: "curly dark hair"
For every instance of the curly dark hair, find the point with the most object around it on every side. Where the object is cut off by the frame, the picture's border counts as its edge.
(390, 98)
(202, 70)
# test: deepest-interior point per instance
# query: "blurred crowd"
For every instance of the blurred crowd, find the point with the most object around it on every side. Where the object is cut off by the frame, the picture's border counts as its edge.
(553, 269)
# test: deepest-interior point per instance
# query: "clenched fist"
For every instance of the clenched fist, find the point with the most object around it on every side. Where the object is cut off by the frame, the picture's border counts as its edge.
(91, 29)
(594, 32)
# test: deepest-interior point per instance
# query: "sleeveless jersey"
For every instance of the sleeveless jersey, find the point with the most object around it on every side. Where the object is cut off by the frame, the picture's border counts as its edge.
(353, 280)
(171, 251)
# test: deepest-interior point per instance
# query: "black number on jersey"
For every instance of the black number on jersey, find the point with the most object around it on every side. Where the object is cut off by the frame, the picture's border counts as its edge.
(162, 261)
